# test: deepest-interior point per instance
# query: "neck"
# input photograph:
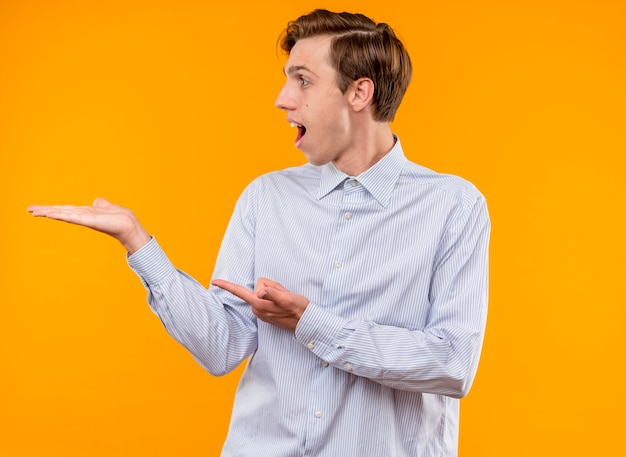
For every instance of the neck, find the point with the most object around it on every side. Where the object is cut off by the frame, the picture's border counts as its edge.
(369, 147)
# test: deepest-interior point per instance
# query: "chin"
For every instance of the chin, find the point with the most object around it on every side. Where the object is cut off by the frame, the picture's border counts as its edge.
(314, 159)
(318, 162)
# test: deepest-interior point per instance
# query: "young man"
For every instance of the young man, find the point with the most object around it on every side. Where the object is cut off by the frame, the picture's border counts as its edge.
(355, 285)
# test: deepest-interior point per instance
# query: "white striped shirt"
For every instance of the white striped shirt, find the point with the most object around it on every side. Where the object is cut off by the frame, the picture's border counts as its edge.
(394, 262)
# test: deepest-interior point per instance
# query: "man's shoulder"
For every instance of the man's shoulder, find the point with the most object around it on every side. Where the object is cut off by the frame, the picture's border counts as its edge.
(298, 173)
(305, 176)
(446, 183)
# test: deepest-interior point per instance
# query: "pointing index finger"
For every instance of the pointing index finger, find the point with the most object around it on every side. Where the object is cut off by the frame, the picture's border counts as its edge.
(235, 289)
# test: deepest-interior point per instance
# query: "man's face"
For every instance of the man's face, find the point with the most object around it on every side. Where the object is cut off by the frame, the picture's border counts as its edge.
(314, 103)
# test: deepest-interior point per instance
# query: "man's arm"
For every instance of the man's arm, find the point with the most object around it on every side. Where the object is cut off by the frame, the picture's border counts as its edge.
(218, 332)
(440, 358)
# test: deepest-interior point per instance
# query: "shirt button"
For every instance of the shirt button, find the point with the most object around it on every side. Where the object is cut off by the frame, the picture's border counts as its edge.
(348, 216)
(310, 346)
(348, 367)
(354, 183)
(337, 264)
(318, 414)
(324, 363)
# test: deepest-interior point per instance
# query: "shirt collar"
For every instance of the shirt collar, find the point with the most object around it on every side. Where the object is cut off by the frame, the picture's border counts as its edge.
(379, 180)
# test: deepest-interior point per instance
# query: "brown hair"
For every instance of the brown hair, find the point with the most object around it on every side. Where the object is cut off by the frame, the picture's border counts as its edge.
(360, 48)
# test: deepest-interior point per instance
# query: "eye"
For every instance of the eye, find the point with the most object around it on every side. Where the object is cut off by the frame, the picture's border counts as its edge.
(303, 82)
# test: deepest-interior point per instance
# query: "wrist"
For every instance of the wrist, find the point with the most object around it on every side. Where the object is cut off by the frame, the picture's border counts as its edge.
(137, 239)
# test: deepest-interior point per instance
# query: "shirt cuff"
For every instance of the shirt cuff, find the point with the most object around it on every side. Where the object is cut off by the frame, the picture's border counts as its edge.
(150, 263)
(318, 328)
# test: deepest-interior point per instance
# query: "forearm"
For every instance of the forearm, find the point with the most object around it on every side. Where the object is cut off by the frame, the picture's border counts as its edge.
(411, 360)
(436, 355)
(217, 335)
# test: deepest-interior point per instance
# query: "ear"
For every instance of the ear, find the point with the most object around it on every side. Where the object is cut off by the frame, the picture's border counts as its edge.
(362, 93)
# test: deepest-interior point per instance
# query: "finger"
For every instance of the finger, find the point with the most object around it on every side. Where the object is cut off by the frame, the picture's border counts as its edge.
(52, 211)
(235, 289)
(79, 215)
(284, 299)
(64, 215)
(35, 210)
(267, 293)
(40, 209)
(264, 282)
(275, 295)
(101, 203)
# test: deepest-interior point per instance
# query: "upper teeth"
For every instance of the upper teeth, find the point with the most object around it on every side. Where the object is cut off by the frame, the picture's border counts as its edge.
(293, 124)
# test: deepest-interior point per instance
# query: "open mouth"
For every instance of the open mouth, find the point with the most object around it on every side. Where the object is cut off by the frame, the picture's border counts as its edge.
(301, 131)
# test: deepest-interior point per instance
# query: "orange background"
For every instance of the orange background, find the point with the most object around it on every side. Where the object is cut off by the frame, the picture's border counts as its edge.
(167, 107)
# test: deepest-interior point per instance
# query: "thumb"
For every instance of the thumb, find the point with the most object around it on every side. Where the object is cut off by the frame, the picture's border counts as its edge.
(101, 203)
(268, 293)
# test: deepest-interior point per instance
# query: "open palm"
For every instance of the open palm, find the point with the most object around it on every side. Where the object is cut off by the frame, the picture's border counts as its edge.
(103, 216)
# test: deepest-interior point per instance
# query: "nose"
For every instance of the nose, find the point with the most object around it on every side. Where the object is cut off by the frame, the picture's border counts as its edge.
(284, 100)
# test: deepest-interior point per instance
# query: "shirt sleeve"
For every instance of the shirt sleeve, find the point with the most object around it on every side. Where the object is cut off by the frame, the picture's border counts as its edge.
(218, 329)
(441, 358)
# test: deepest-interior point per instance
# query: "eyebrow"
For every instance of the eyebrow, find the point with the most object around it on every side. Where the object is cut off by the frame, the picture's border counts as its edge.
(295, 68)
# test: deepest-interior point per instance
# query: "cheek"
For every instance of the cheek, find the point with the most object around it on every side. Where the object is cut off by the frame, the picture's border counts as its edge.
(328, 117)
(338, 121)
